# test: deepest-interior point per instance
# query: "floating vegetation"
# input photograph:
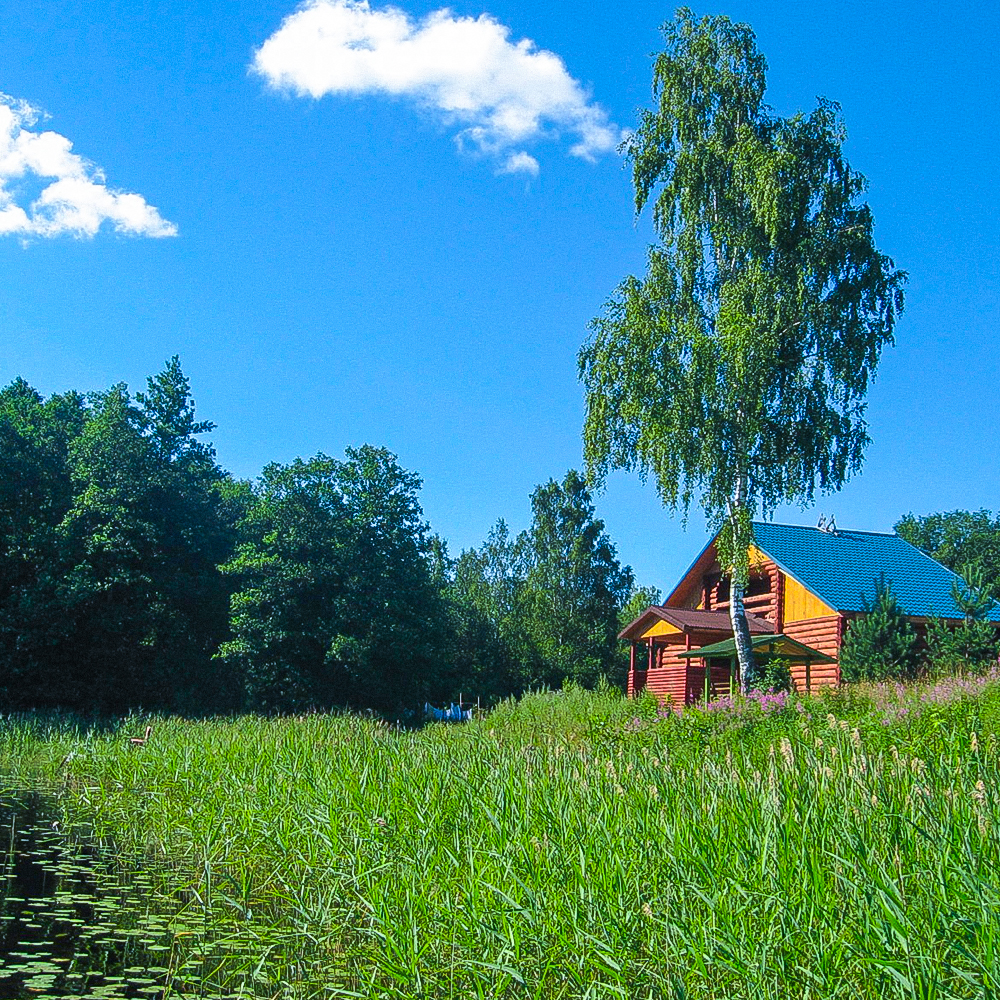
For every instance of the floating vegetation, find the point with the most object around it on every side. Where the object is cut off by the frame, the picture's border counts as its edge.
(77, 921)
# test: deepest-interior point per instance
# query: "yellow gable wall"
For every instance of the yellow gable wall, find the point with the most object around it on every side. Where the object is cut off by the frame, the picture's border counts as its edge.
(661, 628)
(801, 604)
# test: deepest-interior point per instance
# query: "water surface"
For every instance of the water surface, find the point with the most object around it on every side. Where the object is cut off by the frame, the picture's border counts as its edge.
(77, 921)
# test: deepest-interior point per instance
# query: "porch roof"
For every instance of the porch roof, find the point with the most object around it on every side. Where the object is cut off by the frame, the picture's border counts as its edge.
(690, 620)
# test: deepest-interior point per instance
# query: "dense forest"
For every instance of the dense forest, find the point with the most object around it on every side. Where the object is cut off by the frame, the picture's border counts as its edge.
(136, 571)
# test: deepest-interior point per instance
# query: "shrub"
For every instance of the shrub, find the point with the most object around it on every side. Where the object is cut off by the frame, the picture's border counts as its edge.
(881, 645)
(772, 675)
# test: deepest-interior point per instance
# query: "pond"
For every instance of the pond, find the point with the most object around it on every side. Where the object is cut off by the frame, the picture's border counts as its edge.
(77, 921)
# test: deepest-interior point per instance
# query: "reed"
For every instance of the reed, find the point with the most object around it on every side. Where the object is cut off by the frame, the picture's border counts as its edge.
(574, 844)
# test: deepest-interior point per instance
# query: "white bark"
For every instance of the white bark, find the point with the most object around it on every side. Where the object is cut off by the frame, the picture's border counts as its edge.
(741, 633)
(737, 610)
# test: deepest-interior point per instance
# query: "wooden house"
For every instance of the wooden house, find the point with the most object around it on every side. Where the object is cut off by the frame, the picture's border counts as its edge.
(805, 583)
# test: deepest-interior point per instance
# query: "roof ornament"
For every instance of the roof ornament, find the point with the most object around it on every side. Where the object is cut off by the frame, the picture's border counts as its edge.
(828, 525)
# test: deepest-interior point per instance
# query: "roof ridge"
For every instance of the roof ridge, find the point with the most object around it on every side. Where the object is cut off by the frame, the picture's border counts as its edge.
(839, 531)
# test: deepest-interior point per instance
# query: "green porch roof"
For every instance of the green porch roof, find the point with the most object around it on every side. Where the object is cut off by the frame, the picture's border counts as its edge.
(770, 645)
(842, 568)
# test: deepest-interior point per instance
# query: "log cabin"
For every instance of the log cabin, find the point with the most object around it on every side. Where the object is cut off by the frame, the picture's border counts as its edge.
(805, 583)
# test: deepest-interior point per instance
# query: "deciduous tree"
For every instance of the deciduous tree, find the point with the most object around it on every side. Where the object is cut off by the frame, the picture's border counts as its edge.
(735, 371)
(965, 541)
(337, 597)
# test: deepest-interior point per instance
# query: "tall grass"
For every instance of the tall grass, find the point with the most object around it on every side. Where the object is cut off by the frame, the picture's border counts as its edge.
(578, 845)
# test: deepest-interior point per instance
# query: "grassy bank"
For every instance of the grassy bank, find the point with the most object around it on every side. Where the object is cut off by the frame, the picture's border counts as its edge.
(575, 844)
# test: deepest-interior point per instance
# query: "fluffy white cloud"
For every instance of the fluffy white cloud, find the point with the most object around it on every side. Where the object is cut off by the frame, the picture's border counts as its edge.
(501, 94)
(46, 189)
(520, 163)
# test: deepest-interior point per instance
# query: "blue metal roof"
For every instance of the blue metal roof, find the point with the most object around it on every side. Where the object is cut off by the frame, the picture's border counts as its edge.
(842, 568)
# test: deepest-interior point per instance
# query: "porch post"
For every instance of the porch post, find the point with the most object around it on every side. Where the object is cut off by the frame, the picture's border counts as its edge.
(650, 666)
(631, 658)
(808, 676)
(688, 667)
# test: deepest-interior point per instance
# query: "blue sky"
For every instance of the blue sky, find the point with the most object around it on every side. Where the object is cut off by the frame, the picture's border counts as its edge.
(359, 267)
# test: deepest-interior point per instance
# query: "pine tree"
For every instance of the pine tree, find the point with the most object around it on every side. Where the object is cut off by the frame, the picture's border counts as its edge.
(880, 645)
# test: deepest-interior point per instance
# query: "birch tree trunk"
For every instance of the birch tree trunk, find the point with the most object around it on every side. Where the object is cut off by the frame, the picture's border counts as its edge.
(738, 576)
(741, 633)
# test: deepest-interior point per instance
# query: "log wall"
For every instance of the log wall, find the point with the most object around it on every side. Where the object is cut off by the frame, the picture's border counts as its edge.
(668, 679)
(824, 634)
(765, 576)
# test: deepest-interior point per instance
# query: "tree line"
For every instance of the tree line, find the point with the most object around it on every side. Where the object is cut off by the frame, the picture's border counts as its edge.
(136, 571)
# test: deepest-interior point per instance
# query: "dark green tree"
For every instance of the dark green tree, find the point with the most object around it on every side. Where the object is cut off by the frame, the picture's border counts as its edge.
(494, 656)
(575, 587)
(640, 599)
(36, 492)
(735, 371)
(289, 575)
(880, 644)
(142, 543)
(396, 616)
(338, 590)
(972, 645)
(964, 541)
(123, 604)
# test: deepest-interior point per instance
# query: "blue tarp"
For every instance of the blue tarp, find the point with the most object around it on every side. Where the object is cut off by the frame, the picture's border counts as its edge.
(453, 714)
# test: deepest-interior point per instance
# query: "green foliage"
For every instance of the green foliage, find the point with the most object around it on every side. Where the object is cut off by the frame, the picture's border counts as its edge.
(971, 593)
(134, 571)
(964, 541)
(880, 644)
(336, 600)
(571, 844)
(772, 675)
(575, 585)
(975, 643)
(36, 492)
(117, 600)
(494, 653)
(544, 607)
(640, 599)
(971, 646)
(735, 371)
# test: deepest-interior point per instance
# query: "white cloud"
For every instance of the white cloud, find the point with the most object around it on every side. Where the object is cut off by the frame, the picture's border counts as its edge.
(501, 94)
(68, 193)
(520, 163)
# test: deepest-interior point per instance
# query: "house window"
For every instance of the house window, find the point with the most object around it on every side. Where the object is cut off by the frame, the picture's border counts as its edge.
(757, 586)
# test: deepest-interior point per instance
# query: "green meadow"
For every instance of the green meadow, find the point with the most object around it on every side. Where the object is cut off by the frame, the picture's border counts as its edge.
(570, 844)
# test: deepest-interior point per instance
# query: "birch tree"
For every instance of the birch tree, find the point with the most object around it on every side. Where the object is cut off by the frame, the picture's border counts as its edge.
(735, 371)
